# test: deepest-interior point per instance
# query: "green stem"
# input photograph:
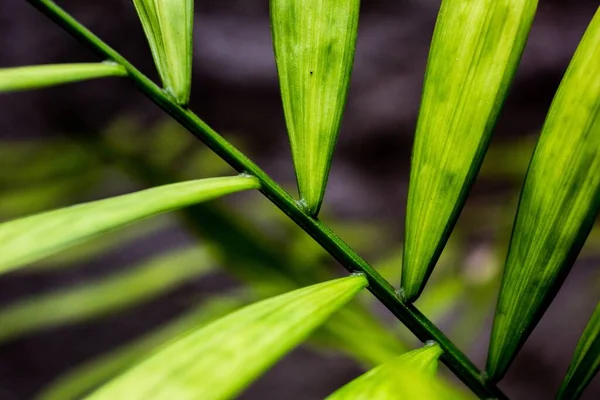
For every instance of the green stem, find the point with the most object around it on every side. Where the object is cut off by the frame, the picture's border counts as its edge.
(421, 327)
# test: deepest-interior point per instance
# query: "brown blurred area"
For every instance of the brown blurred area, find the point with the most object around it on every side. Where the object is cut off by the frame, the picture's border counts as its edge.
(235, 91)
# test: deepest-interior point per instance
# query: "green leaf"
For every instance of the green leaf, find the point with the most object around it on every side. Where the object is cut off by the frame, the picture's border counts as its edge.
(410, 377)
(88, 376)
(558, 205)
(39, 76)
(375, 344)
(474, 54)
(169, 26)
(586, 361)
(220, 360)
(314, 43)
(29, 239)
(90, 300)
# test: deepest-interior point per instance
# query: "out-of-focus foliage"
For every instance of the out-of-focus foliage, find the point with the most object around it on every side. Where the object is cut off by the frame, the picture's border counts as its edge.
(231, 352)
(270, 254)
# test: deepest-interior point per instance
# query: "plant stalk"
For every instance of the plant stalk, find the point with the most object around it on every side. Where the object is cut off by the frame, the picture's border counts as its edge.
(407, 313)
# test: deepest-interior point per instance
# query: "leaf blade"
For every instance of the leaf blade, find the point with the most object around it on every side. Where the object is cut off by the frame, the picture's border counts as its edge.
(410, 376)
(474, 54)
(84, 378)
(559, 202)
(586, 361)
(40, 76)
(234, 350)
(314, 43)
(29, 239)
(168, 25)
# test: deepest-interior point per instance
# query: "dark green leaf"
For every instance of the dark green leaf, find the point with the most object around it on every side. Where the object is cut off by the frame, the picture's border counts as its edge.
(586, 361)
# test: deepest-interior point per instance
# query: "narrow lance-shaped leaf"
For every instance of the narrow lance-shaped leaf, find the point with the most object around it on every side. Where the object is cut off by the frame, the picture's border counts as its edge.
(586, 361)
(474, 54)
(29, 239)
(410, 377)
(220, 360)
(314, 43)
(86, 377)
(39, 76)
(90, 300)
(169, 26)
(559, 202)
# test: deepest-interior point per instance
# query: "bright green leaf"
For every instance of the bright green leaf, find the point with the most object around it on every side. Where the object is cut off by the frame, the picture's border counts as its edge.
(558, 205)
(126, 289)
(220, 360)
(90, 375)
(314, 43)
(409, 377)
(39, 76)
(474, 54)
(586, 361)
(29, 239)
(104, 244)
(169, 26)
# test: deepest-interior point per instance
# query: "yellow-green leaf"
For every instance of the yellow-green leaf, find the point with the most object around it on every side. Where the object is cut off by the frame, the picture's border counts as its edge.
(39, 76)
(314, 43)
(169, 26)
(409, 377)
(586, 361)
(85, 377)
(474, 54)
(221, 359)
(90, 300)
(558, 205)
(29, 239)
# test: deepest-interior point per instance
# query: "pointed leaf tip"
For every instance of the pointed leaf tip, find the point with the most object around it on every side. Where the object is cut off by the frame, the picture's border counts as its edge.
(314, 42)
(411, 376)
(169, 25)
(29, 239)
(40, 76)
(221, 359)
(586, 361)
(475, 50)
(559, 202)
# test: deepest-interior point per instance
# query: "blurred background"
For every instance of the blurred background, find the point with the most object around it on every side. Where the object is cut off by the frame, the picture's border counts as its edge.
(77, 319)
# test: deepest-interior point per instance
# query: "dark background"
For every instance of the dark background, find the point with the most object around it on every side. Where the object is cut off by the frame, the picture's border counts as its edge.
(235, 90)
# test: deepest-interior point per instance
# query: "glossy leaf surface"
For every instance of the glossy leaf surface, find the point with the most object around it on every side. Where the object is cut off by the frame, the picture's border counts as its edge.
(218, 361)
(474, 54)
(169, 26)
(40, 76)
(410, 377)
(314, 43)
(559, 202)
(29, 239)
(586, 361)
